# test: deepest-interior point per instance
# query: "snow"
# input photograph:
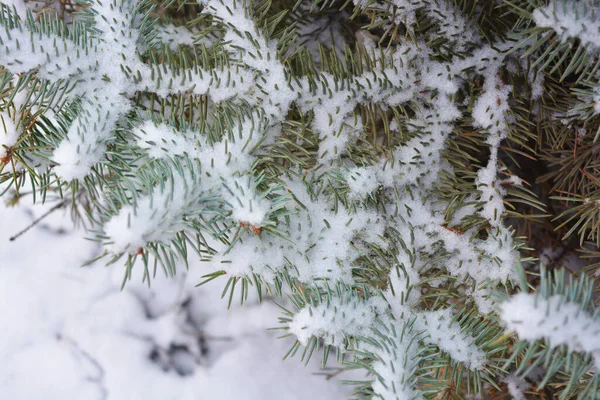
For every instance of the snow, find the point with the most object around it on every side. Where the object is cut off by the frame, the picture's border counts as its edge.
(361, 181)
(175, 36)
(516, 387)
(18, 5)
(571, 19)
(556, 319)
(8, 133)
(536, 80)
(161, 141)
(104, 83)
(218, 184)
(445, 333)
(246, 206)
(69, 332)
(84, 147)
(321, 244)
(490, 108)
(164, 331)
(157, 217)
(397, 364)
(244, 40)
(336, 320)
(374, 321)
(490, 112)
(453, 24)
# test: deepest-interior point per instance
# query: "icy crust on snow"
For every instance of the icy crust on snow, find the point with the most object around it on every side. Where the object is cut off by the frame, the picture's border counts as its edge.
(555, 319)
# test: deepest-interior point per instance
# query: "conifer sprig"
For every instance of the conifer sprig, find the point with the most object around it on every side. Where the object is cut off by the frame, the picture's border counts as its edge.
(371, 160)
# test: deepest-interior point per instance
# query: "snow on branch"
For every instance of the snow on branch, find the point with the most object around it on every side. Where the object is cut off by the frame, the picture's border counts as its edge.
(211, 180)
(8, 133)
(319, 244)
(571, 19)
(158, 217)
(106, 71)
(342, 176)
(441, 330)
(555, 319)
(336, 320)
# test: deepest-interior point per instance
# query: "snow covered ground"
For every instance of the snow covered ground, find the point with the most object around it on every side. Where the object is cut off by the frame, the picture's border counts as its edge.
(69, 332)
